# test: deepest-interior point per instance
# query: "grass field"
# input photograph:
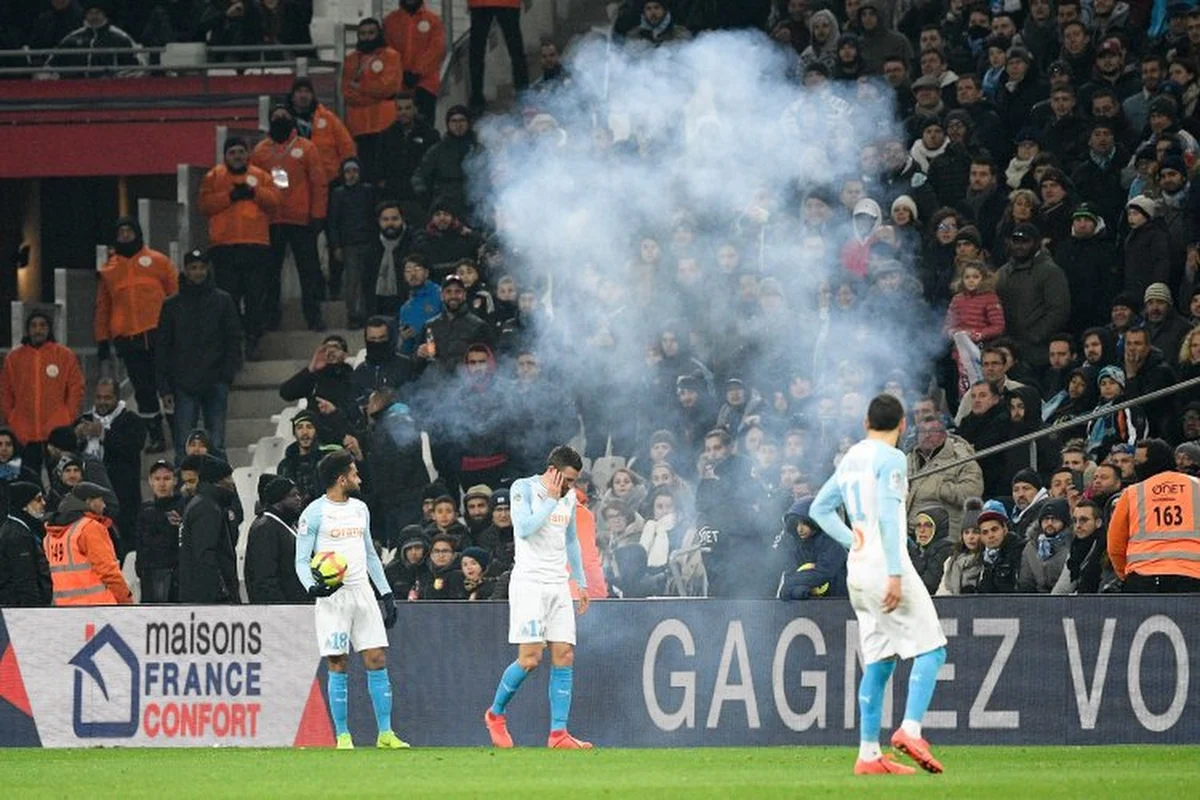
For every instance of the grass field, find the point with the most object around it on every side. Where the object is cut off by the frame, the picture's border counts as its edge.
(1043, 773)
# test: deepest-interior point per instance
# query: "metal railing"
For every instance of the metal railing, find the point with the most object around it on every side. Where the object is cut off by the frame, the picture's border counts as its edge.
(1033, 437)
(249, 57)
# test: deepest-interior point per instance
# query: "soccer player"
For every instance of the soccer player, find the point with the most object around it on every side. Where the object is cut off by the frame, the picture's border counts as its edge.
(896, 618)
(347, 615)
(540, 610)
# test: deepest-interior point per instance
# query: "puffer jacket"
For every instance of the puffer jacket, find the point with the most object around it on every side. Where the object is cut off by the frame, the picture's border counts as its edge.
(420, 39)
(245, 221)
(131, 290)
(306, 197)
(41, 388)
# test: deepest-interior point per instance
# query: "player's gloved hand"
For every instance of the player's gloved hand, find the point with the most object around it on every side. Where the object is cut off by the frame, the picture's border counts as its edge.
(387, 604)
(319, 589)
(103, 350)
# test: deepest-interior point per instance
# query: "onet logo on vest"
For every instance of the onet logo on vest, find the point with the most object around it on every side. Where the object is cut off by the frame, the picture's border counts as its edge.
(105, 666)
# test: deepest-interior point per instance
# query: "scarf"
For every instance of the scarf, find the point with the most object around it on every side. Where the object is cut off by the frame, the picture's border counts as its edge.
(656, 30)
(11, 471)
(95, 447)
(1082, 551)
(1101, 429)
(923, 155)
(991, 556)
(1018, 168)
(1047, 546)
(386, 284)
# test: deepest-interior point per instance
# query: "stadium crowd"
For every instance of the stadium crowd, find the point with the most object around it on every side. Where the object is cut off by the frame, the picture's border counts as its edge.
(1034, 207)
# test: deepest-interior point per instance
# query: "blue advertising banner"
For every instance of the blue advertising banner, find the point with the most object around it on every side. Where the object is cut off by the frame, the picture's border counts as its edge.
(655, 673)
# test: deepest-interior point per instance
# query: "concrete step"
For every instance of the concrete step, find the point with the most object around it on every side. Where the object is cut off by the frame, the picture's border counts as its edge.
(255, 403)
(297, 345)
(267, 374)
(241, 432)
(292, 317)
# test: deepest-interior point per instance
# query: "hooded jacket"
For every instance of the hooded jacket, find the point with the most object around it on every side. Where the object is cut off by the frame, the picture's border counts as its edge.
(809, 563)
(92, 539)
(396, 465)
(857, 251)
(207, 562)
(423, 304)
(271, 560)
(929, 559)
(199, 339)
(24, 573)
(132, 288)
(324, 129)
(1037, 303)
(41, 388)
(403, 577)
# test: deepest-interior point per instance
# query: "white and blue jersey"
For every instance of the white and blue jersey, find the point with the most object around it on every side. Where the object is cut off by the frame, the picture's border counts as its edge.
(544, 539)
(345, 528)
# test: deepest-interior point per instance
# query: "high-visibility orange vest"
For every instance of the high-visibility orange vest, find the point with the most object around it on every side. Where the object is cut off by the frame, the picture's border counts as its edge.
(1154, 527)
(75, 582)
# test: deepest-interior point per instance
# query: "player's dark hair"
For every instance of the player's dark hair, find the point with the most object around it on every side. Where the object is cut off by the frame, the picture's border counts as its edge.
(564, 456)
(334, 466)
(885, 413)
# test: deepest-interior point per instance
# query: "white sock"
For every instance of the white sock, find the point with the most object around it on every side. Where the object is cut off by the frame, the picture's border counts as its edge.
(912, 728)
(869, 751)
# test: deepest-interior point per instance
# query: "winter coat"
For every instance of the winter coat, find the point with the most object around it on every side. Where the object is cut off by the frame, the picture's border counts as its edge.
(41, 388)
(24, 572)
(1092, 269)
(404, 578)
(1037, 303)
(420, 39)
(405, 148)
(301, 469)
(821, 553)
(1085, 566)
(423, 304)
(979, 314)
(1000, 576)
(396, 465)
(199, 339)
(271, 562)
(329, 134)
(334, 383)
(207, 562)
(1016, 102)
(453, 333)
(370, 82)
(948, 489)
(930, 559)
(306, 196)
(244, 221)
(499, 544)
(82, 41)
(963, 571)
(441, 176)
(443, 583)
(158, 533)
(352, 215)
(1147, 257)
(1039, 576)
(123, 443)
(1101, 186)
(131, 291)
(982, 432)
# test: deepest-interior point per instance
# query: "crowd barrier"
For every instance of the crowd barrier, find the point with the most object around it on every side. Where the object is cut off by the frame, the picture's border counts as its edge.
(677, 673)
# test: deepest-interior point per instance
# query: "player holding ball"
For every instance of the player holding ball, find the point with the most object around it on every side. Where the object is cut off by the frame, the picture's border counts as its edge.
(346, 612)
(540, 611)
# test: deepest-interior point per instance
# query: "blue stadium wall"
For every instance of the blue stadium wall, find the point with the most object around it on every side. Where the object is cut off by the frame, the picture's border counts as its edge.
(666, 673)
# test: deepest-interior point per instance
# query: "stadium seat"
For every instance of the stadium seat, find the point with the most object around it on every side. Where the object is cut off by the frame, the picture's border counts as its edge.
(268, 452)
(246, 480)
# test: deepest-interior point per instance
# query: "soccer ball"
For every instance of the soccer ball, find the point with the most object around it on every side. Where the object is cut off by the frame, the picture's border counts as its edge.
(329, 568)
(816, 591)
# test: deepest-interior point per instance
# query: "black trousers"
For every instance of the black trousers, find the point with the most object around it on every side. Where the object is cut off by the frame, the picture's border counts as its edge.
(509, 20)
(426, 103)
(370, 154)
(242, 271)
(137, 353)
(1160, 584)
(303, 241)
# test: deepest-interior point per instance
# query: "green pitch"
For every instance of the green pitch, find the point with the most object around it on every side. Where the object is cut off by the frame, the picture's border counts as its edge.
(976, 772)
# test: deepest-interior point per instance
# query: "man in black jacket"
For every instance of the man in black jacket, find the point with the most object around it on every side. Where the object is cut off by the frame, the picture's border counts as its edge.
(452, 332)
(116, 435)
(158, 524)
(328, 385)
(985, 426)
(271, 545)
(1001, 555)
(352, 232)
(198, 352)
(383, 367)
(24, 573)
(207, 562)
(728, 502)
(97, 33)
(396, 466)
(299, 464)
(405, 142)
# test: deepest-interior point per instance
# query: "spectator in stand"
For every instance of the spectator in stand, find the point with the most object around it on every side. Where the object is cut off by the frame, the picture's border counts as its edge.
(728, 501)
(449, 334)
(813, 563)
(232, 23)
(506, 14)
(385, 262)
(371, 78)
(157, 529)
(170, 21)
(479, 426)
(423, 304)
(317, 123)
(445, 240)
(24, 574)
(931, 544)
(54, 23)
(542, 411)
(132, 286)
(1146, 247)
(948, 489)
(476, 583)
(271, 544)
(115, 435)
(1045, 555)
(497, 538)
(384, 367)
(351, 234)
(96, 33)
(76, 535)
(12, 467)
(238, 200)
(395, 464)
(405, 141)
(964, 567)
(67, 465)
(477, 510)
(879, 41)
(585, 523)
(441, 177)
(295, 167)
(554, 73)
(198, 352)
(1146, 370)
(1001, 554)
(1085, 568)
(41, 388)
(445, 580)
(286, 22)
(418, 35)
(1034, 293)
(207, 562)
(986, 426)
(1166, 327)
(1136, 107)
(410, 568)
(327, 384)
(1021, 91)
(299, 464)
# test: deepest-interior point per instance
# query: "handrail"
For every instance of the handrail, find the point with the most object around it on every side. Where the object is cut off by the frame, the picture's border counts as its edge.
(110, 51)
(1034, 436)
